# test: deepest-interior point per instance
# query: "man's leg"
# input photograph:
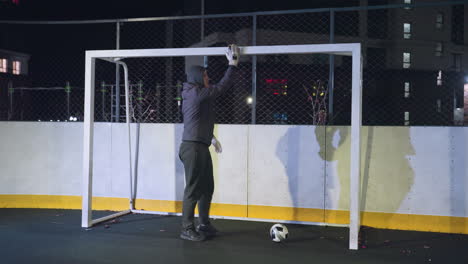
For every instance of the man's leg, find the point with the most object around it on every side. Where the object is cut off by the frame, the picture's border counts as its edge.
(204, 204)
(189, 154)
(207, 183)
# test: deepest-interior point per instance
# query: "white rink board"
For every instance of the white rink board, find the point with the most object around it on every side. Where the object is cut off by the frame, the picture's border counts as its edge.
(285, 168)
(408, 170)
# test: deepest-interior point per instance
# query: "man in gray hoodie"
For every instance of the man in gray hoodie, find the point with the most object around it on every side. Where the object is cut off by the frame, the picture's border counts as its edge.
(198, 97)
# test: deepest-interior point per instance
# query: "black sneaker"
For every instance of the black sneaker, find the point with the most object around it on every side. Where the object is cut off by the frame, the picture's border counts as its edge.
(191, 234)
(208, 230)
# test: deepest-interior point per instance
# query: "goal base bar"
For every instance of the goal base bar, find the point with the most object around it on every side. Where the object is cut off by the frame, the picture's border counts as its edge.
(216, 217)
(109, 217)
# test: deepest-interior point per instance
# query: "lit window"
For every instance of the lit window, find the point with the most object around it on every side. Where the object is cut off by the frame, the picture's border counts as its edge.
(406, 60)
(16, 67)
(3, 65)
(407, 122)
(439, 20)
(407, 89)
(407, 30)
(408, 2)
(439, 79)
(438, 49)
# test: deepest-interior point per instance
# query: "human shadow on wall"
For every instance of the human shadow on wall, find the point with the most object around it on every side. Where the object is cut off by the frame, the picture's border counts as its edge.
(178, 166)
(386, 174)
(296, 152)
(328, 144)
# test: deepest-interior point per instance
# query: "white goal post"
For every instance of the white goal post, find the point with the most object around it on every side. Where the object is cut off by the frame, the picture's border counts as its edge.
(346, 49)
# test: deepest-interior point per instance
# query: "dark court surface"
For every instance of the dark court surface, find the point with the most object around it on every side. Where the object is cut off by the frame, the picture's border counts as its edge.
(56, 236)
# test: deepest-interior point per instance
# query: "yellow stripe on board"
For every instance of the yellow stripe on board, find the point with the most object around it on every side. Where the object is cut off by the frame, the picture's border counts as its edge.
(286, 213)
(158, 205)
(445, 224)
(231, 210)
(40, 201)
(431, 223)
(60, 202)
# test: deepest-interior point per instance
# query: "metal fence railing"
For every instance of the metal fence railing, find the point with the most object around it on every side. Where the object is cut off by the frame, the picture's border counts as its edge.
(415, 66)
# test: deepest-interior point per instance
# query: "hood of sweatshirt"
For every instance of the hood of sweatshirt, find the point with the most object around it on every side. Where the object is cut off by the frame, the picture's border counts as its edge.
(195, 74)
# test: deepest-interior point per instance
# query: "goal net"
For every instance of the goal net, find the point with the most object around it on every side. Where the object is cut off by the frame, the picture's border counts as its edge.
(133, 87)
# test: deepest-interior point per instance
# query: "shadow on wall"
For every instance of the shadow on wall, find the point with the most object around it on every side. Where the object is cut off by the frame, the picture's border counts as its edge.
(297, 151)
(147, 153)
(386, 174)
(457, 178)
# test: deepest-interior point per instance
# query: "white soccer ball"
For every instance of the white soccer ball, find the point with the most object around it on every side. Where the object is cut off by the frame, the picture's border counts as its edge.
(278, 232)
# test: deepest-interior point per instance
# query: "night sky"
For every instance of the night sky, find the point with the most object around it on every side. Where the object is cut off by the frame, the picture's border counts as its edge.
(94, 9)
(57, 51)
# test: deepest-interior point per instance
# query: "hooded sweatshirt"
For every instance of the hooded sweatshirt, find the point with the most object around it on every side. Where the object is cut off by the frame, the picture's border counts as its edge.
(198, 102)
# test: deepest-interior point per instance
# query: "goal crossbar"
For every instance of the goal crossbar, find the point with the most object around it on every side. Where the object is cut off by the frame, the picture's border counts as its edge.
(345, 49)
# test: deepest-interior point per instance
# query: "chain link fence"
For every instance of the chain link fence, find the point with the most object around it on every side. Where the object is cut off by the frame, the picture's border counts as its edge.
(414, 67)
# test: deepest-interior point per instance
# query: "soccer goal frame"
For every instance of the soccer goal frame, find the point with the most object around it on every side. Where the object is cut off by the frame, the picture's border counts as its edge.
(115, 56)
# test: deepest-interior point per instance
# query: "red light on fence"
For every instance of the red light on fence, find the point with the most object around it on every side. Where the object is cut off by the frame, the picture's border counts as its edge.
(282, 81)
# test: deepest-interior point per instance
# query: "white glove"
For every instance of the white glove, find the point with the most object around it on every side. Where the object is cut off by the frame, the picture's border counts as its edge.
(233, 54)
(217, 145)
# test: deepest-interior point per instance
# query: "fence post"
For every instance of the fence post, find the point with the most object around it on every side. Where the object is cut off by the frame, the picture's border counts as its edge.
(103, 100)
(331, 73)
(202, 31)
(11, 91)
(179, 100)
(22, 104)
(158, 103)
(117, 77)
(139, 100)
(254, 71)
(67, 91)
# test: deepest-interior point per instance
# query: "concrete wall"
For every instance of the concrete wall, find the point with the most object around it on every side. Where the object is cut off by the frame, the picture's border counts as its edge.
(405, 170)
